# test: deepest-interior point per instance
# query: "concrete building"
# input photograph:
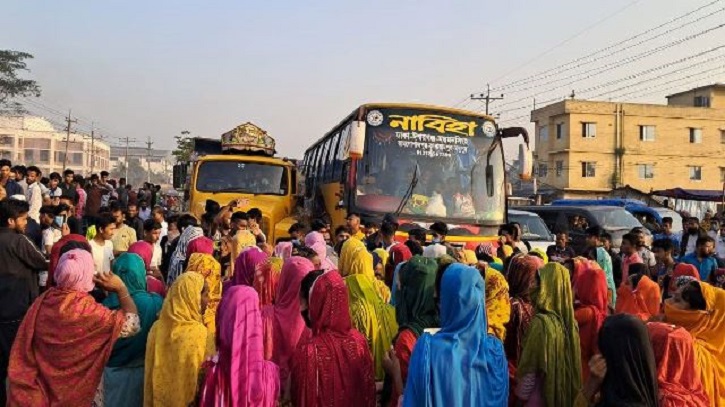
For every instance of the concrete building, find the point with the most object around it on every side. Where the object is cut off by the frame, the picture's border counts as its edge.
(32, 140)
(588, 148)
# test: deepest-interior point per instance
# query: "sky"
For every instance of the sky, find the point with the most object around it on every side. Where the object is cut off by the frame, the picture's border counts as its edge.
(143, 69)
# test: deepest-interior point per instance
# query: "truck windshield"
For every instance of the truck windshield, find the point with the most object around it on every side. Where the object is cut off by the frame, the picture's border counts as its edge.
(453, 184)
(243, 177)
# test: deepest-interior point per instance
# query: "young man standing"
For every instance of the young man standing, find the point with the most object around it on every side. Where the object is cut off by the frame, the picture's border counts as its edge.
(19, 271)
(702, 258)
(54, 189)
(152, 236)
(122, 193)
(158, 214)
(662, 250)
(628, 249)
(668, 234)
(101, 244)
(94, 194)
(438, 247)
(255, 224)
(125, 236)
(353, 222)
(133, 220)
(648, 259)
(20, 173)
(560, 252)
(34, 193)
(145, 211)
(8, 182)
(720, 243)
(68, 187)
(690, 235)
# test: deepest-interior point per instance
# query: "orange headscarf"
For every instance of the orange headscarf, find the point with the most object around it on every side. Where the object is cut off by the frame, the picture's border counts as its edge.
(642, 301)
(708, 329)
(591, 290)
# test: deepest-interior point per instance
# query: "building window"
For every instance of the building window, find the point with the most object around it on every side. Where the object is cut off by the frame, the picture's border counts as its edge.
(722, 174)
(44, 156)
(647, 133)
(77, 159)
(29, 156)
(695, 173)
(695, 136)
(589, 130)
(702, 101)
(722, 136)
(7, 155)
(559, 130)
(589, 169)
(7, 140)
(544, 133)
(543, 170)
(646, 171)
(559, 168)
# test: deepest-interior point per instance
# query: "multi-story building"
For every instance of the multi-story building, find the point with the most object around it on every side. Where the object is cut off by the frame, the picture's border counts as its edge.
(587, 148)
(32, 140)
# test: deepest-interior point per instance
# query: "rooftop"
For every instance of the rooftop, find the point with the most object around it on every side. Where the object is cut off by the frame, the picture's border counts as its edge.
(720, 86)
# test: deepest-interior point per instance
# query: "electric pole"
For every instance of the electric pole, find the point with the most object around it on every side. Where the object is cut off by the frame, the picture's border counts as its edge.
(148, 159)
(127, 140)
(93, 150)
(69, 121)
(487, 97)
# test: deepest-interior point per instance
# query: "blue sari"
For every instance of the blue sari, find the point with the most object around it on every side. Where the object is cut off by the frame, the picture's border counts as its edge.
(461, 365)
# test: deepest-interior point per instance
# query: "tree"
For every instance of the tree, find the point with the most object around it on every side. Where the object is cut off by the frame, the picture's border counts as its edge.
(11, 84)
(184, 147)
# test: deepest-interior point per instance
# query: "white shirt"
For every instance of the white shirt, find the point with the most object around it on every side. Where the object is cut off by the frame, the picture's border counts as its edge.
(720, 247)
(156, 256)
(51, 236)
(164, 230)
(102, 255)
(691, 244)
(34, 196)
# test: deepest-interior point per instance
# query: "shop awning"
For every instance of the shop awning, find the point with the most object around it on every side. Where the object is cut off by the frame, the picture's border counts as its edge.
(691, 194)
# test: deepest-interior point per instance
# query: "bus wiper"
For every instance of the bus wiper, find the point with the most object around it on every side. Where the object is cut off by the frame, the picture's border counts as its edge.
(409, 191)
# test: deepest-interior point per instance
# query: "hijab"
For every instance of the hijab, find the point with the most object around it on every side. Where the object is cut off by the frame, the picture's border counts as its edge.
(677, 376)
(680, 270)
(283, 250)
(642, 301)
(200, 245)
(355, 260)
(480, 376)
(631, 378)
(591, 291)
(245, 266)
(144, 250)
(316, 242)
(176, 266)
(75, 271)
(521, 279)
(498, 303)
(551, 345)
(416, 309)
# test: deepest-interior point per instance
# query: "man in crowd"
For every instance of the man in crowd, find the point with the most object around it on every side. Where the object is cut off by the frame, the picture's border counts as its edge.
(690, 235)
(20, 173)
(122, 193)
(644, 252)
(19, 272)
(703, 258)
(94, 194)
(353, 222)
(560, 251)
(158, 214)
(73, 223)
(255, 224)
(101, 244)
(630, 256)
(145, 211)
(124, 236)
(182, 223)
(106, 189)
(438, 247)
(51, 228)
(34, 193)
(663, 250)
(152, 236)
(81, 196)
(54, 189)
(667, 233)
(68, 187)
(7, 181)
(342, 234)
(133, 220)
(297, 233)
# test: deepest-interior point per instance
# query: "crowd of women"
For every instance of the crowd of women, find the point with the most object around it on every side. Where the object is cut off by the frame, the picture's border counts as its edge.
(309, 325)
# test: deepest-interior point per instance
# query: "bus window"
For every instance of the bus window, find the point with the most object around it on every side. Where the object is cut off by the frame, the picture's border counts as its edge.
(332, 160)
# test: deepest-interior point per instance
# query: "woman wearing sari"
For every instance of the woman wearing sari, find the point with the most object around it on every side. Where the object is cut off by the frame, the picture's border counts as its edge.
(266, 280)
(202, 245)
(522, 279)
(178, 258)
(628, 364)
(461, 365)
(211, 270)
(245, 267)
(552, 336)
(498, 303)
(124, 374)
(238, 375)
(333, 366)
(590, 311)
(239, 243)
(283, 250)
(282, 323)
(316, 242)
(146, 251)
(638, 295)
(66, 338)
(415, 310)
(176, 345)
(677, 376)
(680, 270)
(700, 309)
(370, 312)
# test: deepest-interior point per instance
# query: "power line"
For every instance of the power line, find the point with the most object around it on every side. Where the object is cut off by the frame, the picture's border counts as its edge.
(488, 98)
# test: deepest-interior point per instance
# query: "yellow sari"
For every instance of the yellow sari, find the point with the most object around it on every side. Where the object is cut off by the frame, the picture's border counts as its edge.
(175, 346)
(369, 310)
(355, 259)
(708, 330)
(498, 304)
(210, 269)
(242, 240)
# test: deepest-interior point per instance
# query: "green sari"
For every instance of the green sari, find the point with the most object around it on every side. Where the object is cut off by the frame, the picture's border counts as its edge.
(551, 345)
(416, 308)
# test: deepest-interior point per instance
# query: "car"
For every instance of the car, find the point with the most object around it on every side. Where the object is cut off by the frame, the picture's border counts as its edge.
(533, 229)
(676, 218)
(614, 220)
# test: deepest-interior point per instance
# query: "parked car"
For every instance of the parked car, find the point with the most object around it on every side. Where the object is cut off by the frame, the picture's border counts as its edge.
(575, 219)
(533, 229)
(648, 217)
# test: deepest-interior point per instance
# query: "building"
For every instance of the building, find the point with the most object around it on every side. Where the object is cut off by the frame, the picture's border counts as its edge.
(32, 140)
(588, 148)
(158, 161)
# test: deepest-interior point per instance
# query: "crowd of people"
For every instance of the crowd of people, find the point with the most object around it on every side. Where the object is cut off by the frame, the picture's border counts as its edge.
(141, 308)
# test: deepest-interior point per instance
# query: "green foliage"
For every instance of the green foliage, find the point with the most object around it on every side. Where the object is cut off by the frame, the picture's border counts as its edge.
(12, 63)
(184, 147)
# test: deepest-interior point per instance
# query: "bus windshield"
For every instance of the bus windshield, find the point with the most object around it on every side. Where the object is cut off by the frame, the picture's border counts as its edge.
(243, 177)
(448, 156)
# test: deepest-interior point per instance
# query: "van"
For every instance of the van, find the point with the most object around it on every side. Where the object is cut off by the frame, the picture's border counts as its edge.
(575, 219)
(533, 229)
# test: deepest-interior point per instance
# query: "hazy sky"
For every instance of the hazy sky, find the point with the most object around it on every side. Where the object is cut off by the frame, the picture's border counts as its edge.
(153, 68)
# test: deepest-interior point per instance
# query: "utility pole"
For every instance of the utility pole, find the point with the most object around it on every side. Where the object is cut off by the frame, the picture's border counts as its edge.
(93, 151)
(69, 121)
(148, 159)
(127, 140)
(487, 97)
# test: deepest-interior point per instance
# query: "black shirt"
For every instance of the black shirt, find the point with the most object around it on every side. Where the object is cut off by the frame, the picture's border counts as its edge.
(19, 268)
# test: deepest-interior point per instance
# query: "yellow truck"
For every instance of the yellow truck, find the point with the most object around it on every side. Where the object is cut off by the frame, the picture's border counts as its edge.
(241, 165)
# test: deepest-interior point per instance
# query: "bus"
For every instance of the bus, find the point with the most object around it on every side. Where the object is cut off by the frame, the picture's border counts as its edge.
(423, 163)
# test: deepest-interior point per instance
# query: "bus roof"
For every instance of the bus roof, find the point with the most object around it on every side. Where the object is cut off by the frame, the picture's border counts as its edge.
(248, 158)
(368, 106)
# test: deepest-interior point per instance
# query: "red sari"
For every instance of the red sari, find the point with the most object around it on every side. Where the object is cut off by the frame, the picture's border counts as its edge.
(63, 344)
(591, 291)
(334, 366)
(642, 301)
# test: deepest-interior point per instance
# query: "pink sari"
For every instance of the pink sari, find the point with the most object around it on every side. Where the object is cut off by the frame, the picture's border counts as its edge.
(316, 242)
(239, 376)
(282, 322)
